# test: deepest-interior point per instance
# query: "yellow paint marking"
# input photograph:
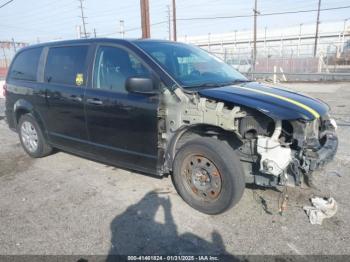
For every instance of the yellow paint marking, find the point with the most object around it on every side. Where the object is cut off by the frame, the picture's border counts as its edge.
(292, 101)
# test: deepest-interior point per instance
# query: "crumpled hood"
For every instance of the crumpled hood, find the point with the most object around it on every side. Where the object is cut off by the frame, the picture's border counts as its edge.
(275, 102)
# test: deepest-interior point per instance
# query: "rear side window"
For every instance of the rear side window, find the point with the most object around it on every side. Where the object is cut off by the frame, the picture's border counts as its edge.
(66, 65)
(25, 65)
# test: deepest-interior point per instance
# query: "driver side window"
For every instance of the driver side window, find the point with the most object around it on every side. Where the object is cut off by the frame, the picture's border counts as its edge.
(113, 66)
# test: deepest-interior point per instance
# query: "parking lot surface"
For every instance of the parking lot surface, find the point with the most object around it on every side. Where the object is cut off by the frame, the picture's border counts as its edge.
(64, 204)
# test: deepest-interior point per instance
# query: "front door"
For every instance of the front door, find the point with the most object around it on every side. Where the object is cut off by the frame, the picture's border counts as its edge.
(122, 126)
(64, 78)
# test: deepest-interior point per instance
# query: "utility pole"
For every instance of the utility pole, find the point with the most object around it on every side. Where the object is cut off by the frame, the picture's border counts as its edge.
(169, 21)
(174, 21)
(14, 45)
(83, 17)
(145, 25)
(121, 28)
(255, 10)
(317, 25)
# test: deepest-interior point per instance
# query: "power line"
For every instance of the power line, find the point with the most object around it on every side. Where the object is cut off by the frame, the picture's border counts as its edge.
(133, 29)
(264, 14)
(35, 11)
(1, 6)
(110, 12)
(138, 28)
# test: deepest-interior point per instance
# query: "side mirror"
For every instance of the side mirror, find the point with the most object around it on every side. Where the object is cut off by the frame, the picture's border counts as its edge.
(141, 85)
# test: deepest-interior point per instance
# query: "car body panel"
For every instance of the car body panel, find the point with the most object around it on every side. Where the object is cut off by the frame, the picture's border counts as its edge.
(123, 127)
(274, 102)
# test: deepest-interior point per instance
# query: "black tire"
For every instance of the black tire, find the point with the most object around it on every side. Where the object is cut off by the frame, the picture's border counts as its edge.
(226, 163)
(43, 148)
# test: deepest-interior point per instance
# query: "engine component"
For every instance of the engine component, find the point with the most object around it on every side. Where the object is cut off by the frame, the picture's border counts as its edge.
(274, 158)
(250, 126)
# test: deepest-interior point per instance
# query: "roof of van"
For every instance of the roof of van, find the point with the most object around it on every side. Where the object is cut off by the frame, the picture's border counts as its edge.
(92, 40)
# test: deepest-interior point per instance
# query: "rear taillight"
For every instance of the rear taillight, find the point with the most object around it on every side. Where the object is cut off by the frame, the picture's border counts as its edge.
(4, 90)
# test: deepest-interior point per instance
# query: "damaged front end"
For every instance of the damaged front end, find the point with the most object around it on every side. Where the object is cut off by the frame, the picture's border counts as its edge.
(293, 151)
(272, 151)
(315, 144)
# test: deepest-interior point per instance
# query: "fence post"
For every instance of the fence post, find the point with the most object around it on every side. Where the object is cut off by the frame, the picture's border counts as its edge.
(5, 58)
(209, 41)
(283, 75)
(274, 74)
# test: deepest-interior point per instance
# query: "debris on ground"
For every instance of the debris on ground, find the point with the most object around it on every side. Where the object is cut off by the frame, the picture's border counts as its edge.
(283, 201)
(322, 208)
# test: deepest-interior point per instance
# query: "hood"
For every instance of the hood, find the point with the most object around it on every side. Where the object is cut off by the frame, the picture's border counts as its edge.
(276, 103)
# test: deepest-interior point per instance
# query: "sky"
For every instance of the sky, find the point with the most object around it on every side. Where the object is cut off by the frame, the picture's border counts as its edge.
(34, 21)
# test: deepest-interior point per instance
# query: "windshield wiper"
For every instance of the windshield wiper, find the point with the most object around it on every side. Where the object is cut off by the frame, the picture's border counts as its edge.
(217, 84)
(236, 82)
(202, 85)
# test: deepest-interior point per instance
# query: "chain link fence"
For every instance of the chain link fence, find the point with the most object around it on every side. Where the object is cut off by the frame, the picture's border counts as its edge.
(285, 58)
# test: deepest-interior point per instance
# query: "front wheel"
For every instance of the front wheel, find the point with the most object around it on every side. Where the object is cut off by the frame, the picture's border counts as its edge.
(208, 175)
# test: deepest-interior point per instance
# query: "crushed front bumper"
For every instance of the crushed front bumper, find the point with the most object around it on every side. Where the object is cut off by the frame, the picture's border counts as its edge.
(325, 154)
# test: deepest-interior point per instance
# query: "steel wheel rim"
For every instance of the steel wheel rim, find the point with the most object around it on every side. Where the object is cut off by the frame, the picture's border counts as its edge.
(29, 136)
(202, 177)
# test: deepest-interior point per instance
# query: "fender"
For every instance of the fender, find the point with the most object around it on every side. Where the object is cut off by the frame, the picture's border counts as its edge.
(24, 105)
(276, 103)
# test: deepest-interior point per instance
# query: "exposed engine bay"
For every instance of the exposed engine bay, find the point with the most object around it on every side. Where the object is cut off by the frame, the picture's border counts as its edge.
(272, 151)
(290, 152)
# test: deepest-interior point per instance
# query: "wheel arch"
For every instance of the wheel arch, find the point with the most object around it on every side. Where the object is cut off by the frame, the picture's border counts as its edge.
(22, 107)
(190, 132)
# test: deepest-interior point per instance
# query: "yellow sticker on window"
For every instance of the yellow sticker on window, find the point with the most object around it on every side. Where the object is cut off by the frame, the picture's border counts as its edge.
(79, 79)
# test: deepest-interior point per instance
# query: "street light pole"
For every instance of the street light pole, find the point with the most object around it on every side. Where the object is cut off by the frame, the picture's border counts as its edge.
(255, 31)
(121, 28)
(174, 21)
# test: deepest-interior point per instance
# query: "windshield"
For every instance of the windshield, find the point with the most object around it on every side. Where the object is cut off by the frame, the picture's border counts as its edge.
(190, 65)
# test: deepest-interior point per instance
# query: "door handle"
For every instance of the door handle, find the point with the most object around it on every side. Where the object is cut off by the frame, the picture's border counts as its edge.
(94, 101)
(76, 98)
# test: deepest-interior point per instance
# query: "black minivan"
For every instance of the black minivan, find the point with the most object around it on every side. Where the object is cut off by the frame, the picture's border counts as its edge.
(162, 107)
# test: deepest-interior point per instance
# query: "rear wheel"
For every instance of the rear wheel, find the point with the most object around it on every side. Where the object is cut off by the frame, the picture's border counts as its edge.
(208, 175)
(31, 137)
